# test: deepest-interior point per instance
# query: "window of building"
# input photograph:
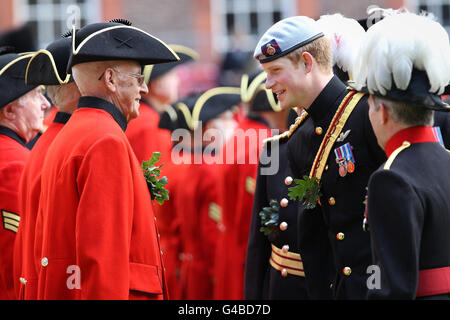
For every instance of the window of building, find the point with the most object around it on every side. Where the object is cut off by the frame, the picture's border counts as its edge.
(50, 19)
(240, 23)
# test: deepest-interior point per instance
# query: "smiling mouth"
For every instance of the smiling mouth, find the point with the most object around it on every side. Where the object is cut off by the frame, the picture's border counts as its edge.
(279, 93)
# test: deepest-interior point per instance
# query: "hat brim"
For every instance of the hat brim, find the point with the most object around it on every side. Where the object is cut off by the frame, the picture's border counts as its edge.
(113, 41)
(152, 72)
(417, 94)
(12, 78)
(42, 69)
(285, 52)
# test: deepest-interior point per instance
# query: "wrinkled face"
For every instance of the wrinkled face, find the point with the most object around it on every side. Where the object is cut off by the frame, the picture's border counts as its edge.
(286, 81)
(29, 110)
(130, 87)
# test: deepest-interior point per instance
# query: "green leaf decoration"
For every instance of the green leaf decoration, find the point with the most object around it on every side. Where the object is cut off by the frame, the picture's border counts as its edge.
(306, 190)
(269, 218)
(151, 173)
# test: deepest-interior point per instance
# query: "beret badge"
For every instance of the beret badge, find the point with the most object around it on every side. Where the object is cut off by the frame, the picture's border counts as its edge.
(271, 48)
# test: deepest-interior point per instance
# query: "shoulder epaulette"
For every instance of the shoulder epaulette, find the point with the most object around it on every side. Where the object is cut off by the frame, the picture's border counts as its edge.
(292, 128)
(394, 155)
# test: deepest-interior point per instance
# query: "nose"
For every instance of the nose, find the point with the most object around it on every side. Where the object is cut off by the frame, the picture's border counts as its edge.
(144, 88)
(45, 104)
(269, 82)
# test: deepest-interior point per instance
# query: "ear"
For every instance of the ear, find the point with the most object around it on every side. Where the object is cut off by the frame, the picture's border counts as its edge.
(110, 80)
(308, 60)
(8, 111)
(385, 115)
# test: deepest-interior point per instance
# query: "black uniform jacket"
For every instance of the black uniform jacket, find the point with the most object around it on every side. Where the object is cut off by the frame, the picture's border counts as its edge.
(409, 217)
(340, 213)
(262, 280)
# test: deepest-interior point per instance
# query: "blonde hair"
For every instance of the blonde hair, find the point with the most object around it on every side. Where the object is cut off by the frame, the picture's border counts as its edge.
(320, 49)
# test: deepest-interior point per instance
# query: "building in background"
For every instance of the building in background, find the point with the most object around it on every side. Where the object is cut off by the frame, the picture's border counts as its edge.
(224, 32)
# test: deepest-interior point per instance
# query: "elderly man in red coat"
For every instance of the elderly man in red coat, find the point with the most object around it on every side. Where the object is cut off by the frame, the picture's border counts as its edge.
(21, 113)
(64, 93)
(96, 234)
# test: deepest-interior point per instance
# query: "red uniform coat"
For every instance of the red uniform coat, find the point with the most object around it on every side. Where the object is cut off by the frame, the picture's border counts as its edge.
(169, 229)
(96, 235)
(13, 156)
(236, 191)
(25, 276)
(195, 200)
(146, 137)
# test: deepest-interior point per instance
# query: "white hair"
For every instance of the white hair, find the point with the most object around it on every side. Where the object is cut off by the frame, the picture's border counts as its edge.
(397, 44)
(345, 36)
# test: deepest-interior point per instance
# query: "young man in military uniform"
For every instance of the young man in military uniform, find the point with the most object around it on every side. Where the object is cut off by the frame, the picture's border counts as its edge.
(21, 113)
(333, 152)
(46, 67)
(408, 204)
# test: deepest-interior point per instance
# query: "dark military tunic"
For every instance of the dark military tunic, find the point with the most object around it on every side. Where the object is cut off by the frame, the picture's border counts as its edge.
(409, 218)
(262, 279)
(341, 208)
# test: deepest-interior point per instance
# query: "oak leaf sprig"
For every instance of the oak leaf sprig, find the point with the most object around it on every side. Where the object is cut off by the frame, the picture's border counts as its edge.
(156, 185)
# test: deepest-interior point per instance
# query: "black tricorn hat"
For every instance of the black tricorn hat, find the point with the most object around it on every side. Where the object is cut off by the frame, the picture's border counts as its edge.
(200, 108)
(117, 41)
(151, 72)
(12, 76)
(256, 95)
(48, 66)
(173, 117)
(416, 94)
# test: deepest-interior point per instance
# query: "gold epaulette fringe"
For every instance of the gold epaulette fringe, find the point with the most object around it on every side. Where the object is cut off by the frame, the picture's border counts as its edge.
(288, 133)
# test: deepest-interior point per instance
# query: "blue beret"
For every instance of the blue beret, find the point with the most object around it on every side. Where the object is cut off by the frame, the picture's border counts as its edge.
(285, 36)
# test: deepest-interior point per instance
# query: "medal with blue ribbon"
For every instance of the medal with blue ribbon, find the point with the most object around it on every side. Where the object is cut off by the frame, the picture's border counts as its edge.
(345, 159)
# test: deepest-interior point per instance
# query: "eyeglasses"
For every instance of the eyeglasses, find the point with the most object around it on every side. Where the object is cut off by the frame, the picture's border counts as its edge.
(139, 77)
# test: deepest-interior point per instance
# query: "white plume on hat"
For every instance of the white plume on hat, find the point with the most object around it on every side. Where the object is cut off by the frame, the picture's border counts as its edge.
(346, 36)
(397, 44)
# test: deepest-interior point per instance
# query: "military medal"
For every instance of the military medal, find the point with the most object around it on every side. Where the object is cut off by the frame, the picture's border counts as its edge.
(342, 166)
(345, 159)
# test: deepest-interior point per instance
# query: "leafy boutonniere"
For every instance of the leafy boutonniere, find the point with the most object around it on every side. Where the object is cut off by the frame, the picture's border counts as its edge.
(269, 218)
(155, 185)
(306, 190)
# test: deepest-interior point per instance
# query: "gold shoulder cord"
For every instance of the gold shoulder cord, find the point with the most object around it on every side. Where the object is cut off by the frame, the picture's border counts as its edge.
(288, 133)
(337, 124)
